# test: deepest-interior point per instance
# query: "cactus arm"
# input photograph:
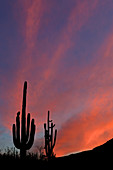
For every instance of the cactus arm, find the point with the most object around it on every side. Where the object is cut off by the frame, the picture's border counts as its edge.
(28, 126)
(15, 141)
(14, 133)
(54, 138)
(18, 127)
(51, 137)
(46, 141)
(45, 126)
(46, 135)
(45, 132)
(32, 134)
(48, 122)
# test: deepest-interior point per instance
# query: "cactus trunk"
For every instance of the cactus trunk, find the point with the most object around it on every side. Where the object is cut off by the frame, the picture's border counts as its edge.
(49, 144)
(23, 121)
(22, 153)
(25, 141)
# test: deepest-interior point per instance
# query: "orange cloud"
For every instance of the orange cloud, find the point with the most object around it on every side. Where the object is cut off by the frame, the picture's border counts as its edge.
(29, 21)
(84, 131)
(94, 125)
(82, 110)
(81, 12)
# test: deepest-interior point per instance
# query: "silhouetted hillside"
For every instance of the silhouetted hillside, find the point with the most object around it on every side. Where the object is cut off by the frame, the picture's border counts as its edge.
(101, 155)
(100, 152)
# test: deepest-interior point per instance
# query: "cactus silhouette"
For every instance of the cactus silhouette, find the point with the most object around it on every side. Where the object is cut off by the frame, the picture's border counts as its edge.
(49, 143)
(25, 141)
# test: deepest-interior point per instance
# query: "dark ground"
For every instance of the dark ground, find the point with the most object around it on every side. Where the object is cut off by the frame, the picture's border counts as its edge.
(98, 158)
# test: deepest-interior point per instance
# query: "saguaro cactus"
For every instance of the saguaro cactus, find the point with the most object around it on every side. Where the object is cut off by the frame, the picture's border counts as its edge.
(49, 143)
(25, 141)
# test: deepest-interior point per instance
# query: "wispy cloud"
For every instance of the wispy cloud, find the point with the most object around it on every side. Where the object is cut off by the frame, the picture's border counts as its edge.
(93, 125)
(74, 84)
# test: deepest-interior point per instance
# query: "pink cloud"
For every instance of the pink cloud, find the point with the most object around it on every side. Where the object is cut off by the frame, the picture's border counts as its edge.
(83, 111)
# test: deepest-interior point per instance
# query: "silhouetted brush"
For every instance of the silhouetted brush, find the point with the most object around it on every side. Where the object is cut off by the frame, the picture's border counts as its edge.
(25, 141)
(49, 143)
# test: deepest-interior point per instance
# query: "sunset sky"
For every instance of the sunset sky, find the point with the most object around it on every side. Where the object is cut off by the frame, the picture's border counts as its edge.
(64, 50)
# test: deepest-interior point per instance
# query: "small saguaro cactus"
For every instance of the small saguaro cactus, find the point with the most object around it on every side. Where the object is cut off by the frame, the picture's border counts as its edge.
(49, 143)
(25, 141)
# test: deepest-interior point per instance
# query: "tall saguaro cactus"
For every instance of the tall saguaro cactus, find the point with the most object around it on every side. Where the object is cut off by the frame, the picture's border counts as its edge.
(49, 143)
(25, 141)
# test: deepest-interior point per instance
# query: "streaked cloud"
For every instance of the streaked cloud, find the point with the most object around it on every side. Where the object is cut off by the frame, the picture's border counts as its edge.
(65, 53)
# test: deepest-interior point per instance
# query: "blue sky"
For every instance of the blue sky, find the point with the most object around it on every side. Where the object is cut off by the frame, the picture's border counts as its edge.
(63, 49)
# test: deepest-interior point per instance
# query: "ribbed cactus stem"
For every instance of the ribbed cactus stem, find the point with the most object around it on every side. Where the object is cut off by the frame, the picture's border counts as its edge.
(23, 120)
(25, 141)
(51, 135)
